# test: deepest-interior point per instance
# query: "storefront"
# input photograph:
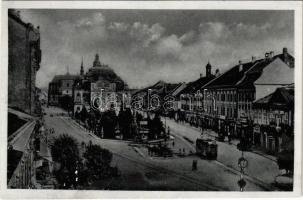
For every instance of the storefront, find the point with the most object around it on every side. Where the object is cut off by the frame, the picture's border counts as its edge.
(256, 135)
(221, 125)
(244, 131)
(231, 127)
(269, 138)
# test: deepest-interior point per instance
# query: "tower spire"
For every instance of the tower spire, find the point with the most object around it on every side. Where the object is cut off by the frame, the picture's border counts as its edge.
(82, 70)
(97, 62)
(208, 69)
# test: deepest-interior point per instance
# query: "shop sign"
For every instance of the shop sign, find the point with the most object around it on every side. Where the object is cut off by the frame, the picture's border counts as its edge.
(222, 116)
(257, 129)
(243, 120)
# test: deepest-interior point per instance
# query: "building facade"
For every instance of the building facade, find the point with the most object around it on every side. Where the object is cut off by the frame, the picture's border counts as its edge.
(24, 57)
(99, 88)
(60, 86)
(81, 95)
(157, 98)
(191, 98)
(228, 99)
(274, 119)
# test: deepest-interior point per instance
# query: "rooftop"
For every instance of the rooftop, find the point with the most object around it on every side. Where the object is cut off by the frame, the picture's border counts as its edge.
(65, 77)
(244, 74)
(194, 86)
(282, 98)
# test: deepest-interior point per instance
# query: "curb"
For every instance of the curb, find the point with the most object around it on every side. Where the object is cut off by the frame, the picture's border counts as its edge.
(196, 129)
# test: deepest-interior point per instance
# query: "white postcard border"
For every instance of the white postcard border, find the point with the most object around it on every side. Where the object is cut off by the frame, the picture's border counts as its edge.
(194, 5)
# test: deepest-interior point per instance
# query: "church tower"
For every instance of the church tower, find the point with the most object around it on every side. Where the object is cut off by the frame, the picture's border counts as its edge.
(208, 69)
(97, 62)
(82, 69)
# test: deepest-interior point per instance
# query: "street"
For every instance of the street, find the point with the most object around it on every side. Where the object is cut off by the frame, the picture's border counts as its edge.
(260, 168)
(142, 172)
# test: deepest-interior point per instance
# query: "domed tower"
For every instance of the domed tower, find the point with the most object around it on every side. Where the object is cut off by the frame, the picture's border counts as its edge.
(208, 69)
(102, 72)
(97, 62)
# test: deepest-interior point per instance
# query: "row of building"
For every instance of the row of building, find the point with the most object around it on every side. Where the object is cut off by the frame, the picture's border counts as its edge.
(252, 100)
(99, 84)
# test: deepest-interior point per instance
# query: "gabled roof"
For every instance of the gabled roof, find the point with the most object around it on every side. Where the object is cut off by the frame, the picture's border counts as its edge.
(160, 87)
(250, 72)
(281, 98)
(194, 86)
(177, 91)
(230, 77)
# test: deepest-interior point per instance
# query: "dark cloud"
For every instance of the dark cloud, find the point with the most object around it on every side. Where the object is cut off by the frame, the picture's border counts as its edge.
(144, 46)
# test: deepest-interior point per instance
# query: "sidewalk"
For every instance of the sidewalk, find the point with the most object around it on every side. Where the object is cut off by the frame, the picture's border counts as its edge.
(234, 142)
(260, 167)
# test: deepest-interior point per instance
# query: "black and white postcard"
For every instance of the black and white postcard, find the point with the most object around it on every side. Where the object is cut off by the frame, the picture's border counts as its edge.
(101, 98)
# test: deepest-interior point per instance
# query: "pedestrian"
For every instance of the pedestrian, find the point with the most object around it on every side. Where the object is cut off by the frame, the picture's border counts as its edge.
(229, 137)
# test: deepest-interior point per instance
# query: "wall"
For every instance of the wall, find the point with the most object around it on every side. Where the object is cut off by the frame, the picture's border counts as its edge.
(67, 87)
(23, 63)
(18, 73)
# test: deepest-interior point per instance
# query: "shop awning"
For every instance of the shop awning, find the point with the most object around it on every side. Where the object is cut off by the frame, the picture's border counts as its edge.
(19, 139)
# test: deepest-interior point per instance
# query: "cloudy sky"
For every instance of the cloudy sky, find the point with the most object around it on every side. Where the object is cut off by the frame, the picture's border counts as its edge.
(144, 46)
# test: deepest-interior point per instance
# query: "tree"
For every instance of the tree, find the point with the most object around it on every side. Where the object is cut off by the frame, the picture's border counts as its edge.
(125, 119)
(109, 121)
(97, 162)
(77, 115)
(65, 151)
(66, 102)
(83, 114)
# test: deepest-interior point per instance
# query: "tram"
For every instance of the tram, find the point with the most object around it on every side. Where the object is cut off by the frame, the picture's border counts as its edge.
(206, 148)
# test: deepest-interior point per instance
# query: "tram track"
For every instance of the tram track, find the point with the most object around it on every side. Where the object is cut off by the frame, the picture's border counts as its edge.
(83, 135)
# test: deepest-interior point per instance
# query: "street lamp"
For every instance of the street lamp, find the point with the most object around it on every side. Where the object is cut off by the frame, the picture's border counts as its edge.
(242, 163)
(148, 98)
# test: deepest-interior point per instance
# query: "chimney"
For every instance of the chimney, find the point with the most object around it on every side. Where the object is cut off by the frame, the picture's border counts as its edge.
(266, 55)
(217, 72)
(240, 66)
(253, 59)
(201, 75)
(285, 55)
(271, 54)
